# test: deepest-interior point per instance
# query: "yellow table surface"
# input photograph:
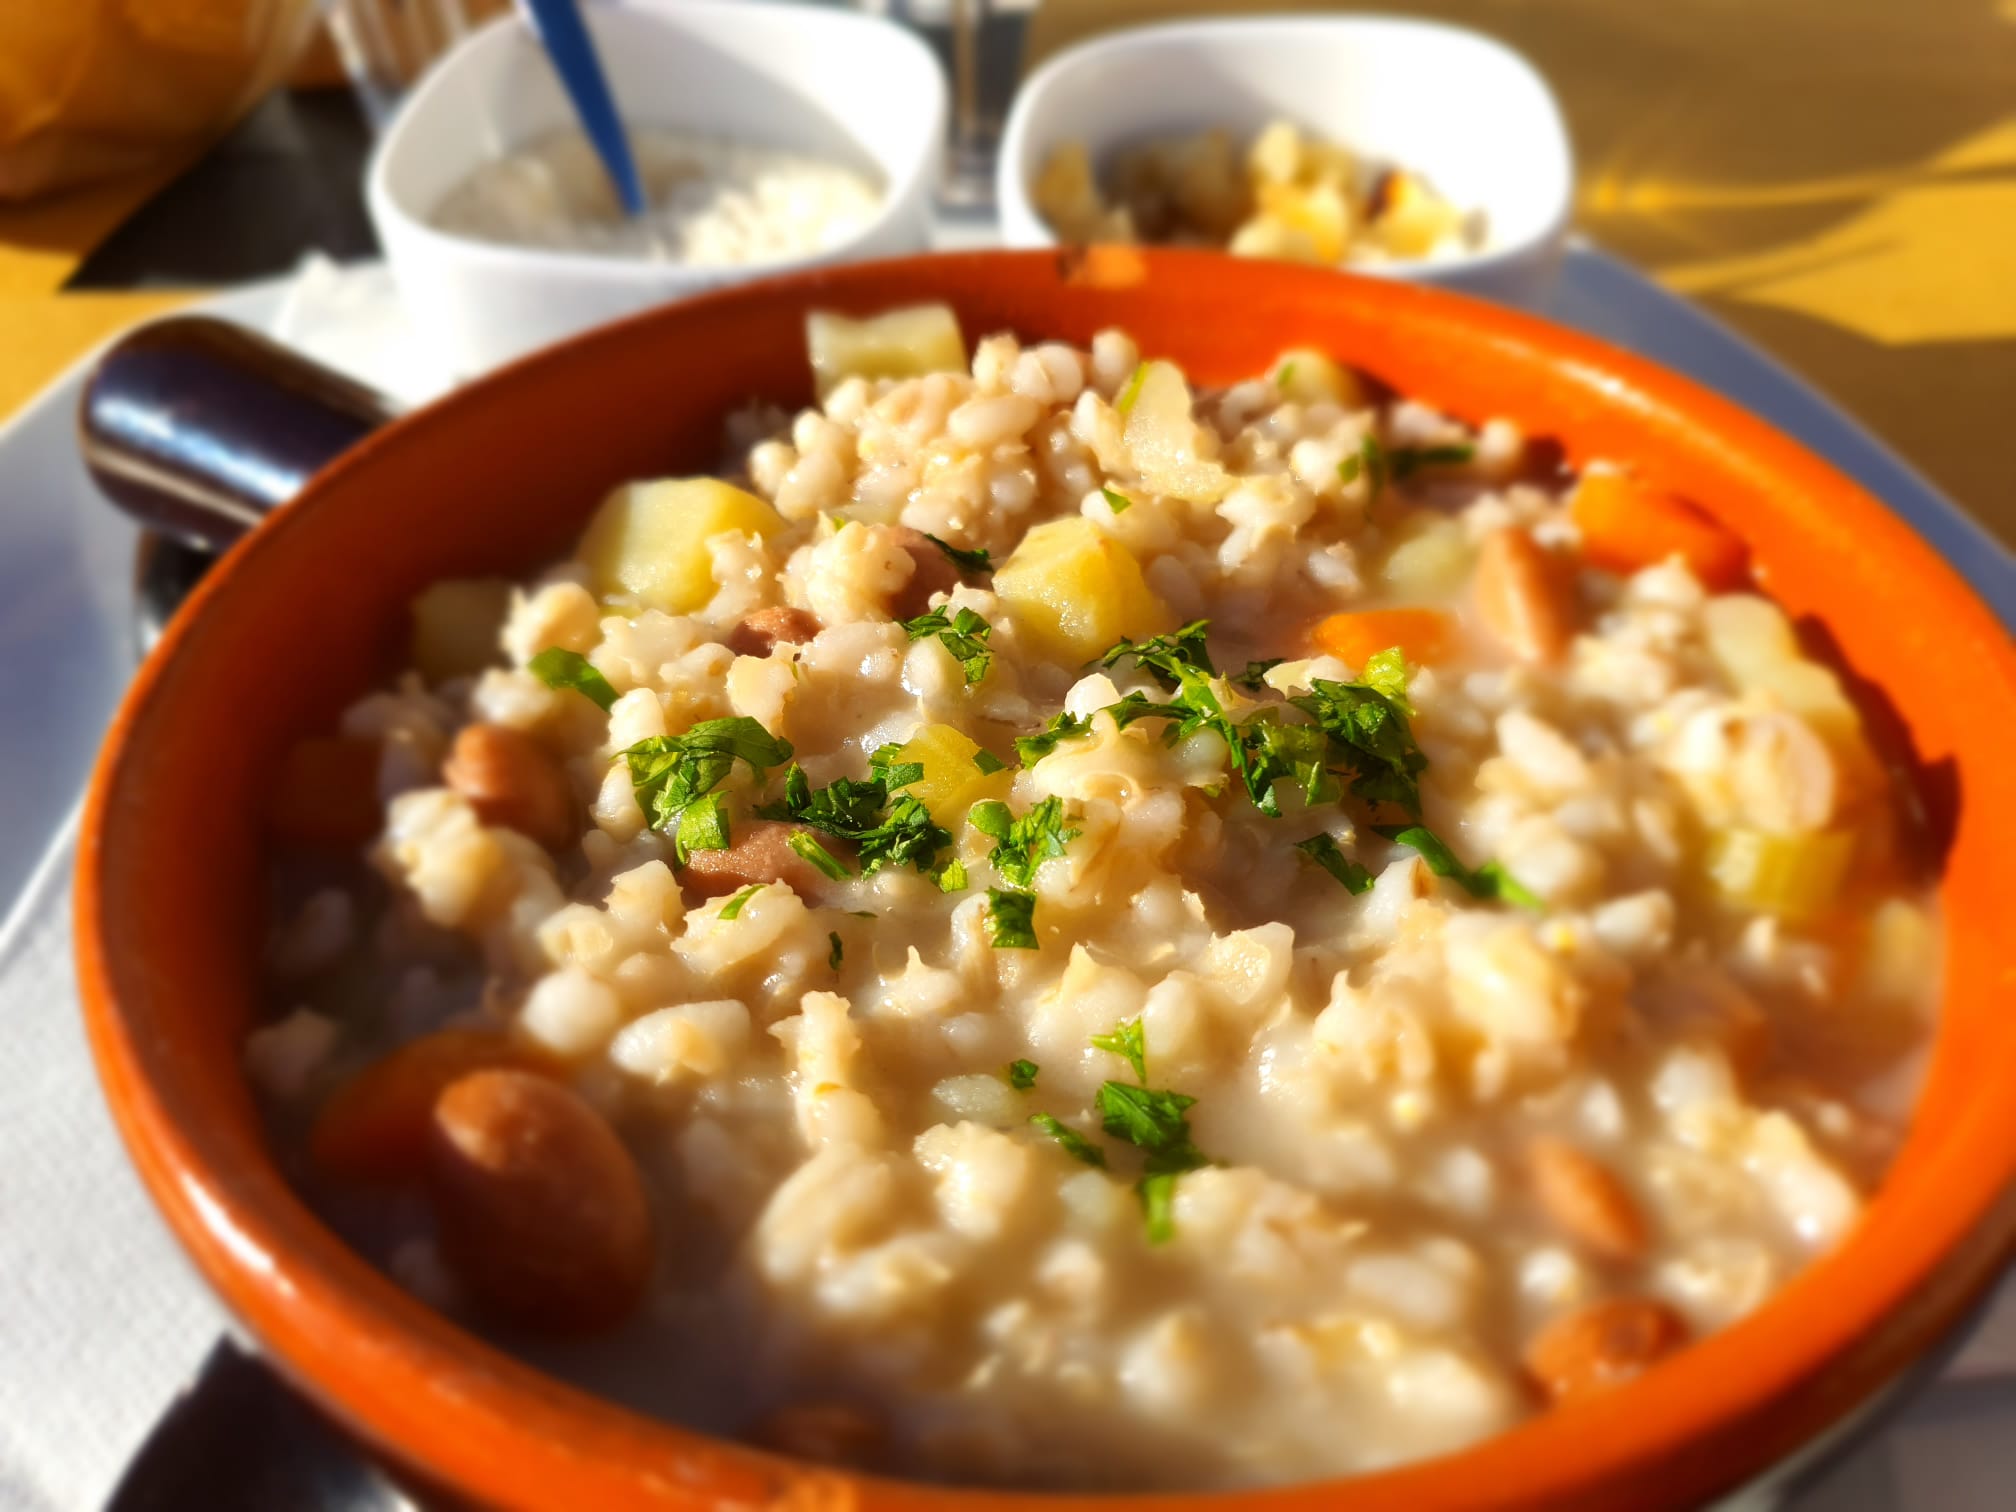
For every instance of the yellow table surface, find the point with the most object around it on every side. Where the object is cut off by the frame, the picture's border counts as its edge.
(1835, 178)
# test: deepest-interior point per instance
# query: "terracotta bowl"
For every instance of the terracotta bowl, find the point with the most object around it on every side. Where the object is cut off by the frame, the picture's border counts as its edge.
(310, 610)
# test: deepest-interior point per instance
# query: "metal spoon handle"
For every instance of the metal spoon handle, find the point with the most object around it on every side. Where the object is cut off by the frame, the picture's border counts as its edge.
(197, 427)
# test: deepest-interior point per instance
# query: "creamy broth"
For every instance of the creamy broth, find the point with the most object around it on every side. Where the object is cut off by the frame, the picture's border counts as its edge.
(1483, 955)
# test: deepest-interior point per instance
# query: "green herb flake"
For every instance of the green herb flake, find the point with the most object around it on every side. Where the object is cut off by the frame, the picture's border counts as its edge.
(1386, 673)
(885, 832)
(964, 634)
(1369, 726)
(837, 953)
(951, 876)
(886, 767)
(1030, 749)
(824, 860)
(1128, 1041)
(1368, 462)
(1407, 460)
(703, 825)
(1491, 880)
(1125, 401)
(1022, 1074)
(558, 667)
(1158, 1205)
(976, 560)
(1076, 1145)
(1254, 677)
(1117, 501)
(672, 772)
(989, 763)
(732, 909)
(1153, 1121)
(1022, 845)
(1285, 376)
(1011, 919)
(1326, 853)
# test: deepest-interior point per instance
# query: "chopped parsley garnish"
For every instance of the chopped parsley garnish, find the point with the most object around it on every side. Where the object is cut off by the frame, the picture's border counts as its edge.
(1177, 659)
(964, 634)
(885, 833)
(732, 909)
(1022, 1074)
(1030, 749)
(1129, 1042)
(1153, 1121)
(672, 772)
(1490, 880)
(1370, 462)
(892, 773)
(1124, 401)
(988, 763)
(811, 850)
(1117, 501)
(703, 825)
(558, 667)
(951, 877)
(1326, 853)
(1386, 672)
(1076, 1145)
(1286, 376)
(975, 560)
(1158, 1205)
(837, 953)
(1370, 724)
(1410, 459)
(1254, 677)
(1011, 919)
(1021, 845)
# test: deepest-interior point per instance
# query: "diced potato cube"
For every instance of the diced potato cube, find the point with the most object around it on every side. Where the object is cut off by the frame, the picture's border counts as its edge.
(1431, 557)
(1901, 953)
(1309, 377)
(1074, 591)
(904, 343)
(1267, 236)
(951, 783)
(647, 544)
(1276, 154)
(1164, 441)
(456, 624)
(1793, 876)
(1319, 212)
(1414, 218)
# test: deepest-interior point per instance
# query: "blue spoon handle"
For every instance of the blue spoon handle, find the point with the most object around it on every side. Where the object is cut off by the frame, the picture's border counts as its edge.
(565, 33)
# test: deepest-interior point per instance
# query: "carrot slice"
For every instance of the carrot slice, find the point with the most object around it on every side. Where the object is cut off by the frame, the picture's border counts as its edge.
(325, 794)
(1627, 525)
(374, 1126)
(1423, 635)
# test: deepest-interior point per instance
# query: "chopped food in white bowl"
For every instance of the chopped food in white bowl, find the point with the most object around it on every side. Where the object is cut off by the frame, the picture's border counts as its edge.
(1432, 107)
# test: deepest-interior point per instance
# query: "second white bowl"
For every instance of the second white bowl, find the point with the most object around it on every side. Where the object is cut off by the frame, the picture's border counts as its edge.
(1466, 111)
(801, 77)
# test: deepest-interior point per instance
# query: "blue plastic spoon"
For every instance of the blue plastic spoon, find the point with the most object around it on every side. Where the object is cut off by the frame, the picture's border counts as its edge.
(560, 26)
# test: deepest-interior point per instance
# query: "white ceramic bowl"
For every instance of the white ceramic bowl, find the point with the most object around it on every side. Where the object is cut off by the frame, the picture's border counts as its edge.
(800, 77)
(1468, 112)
